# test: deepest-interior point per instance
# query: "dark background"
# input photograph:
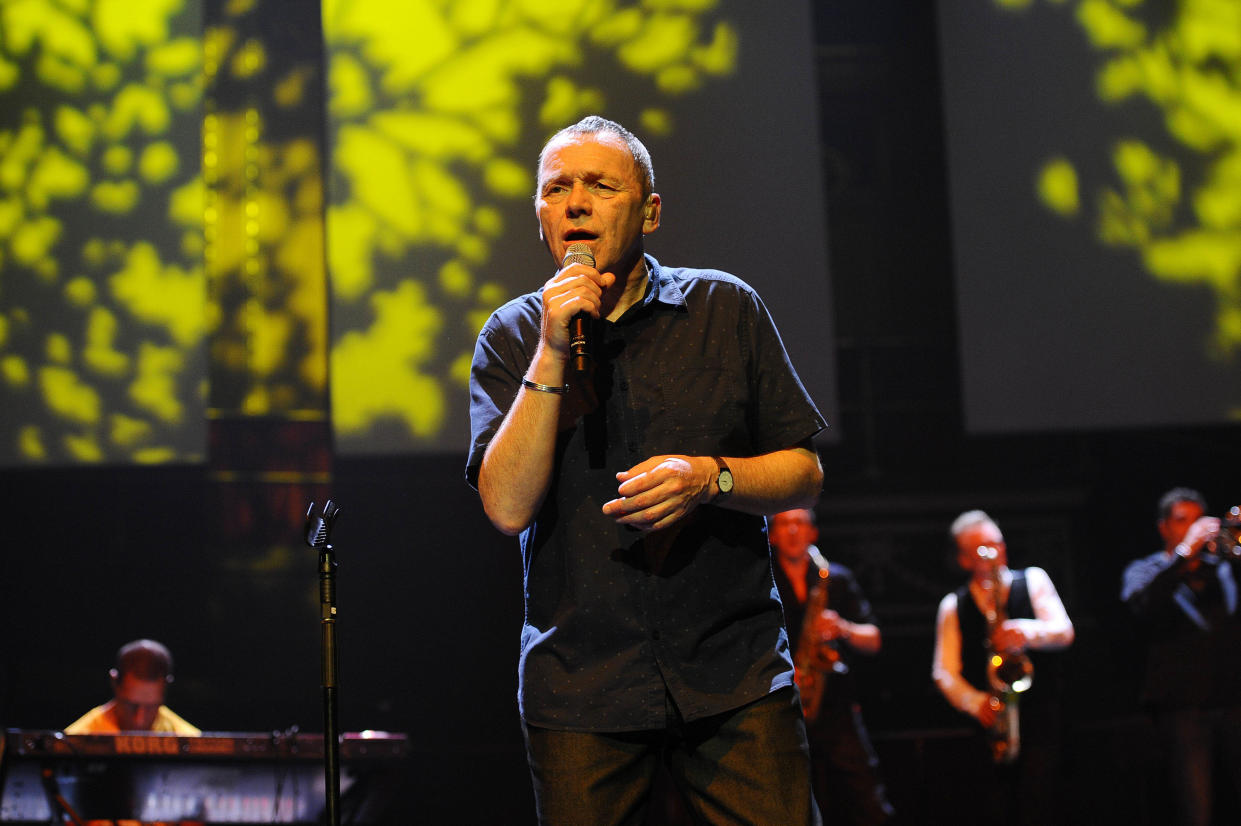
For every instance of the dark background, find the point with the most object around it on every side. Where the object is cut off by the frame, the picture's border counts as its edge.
(429, 593)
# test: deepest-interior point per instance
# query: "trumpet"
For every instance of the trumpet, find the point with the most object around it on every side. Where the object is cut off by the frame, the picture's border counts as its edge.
(1226, 541)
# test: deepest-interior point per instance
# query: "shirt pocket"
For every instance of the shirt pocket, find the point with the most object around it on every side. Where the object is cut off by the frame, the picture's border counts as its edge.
(705, 407)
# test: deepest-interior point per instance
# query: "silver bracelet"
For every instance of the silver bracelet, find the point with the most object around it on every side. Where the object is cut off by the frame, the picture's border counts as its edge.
(545, 388)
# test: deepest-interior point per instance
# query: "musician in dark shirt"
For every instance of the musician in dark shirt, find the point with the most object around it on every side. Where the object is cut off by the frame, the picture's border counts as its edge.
(653, 629)
(846, 769)
(1186, 598)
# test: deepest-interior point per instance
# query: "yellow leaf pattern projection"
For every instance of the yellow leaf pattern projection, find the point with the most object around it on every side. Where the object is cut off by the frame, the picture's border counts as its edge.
(101, 282)
(1182, 214)
(437, 109)
(262, 198)
(162, 201)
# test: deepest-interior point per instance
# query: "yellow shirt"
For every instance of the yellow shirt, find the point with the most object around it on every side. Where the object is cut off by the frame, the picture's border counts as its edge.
(99, 721)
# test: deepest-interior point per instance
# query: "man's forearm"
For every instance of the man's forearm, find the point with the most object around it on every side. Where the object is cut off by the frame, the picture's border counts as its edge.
(1148, 583)
(864, 637)
(776, 482)
(516, 470)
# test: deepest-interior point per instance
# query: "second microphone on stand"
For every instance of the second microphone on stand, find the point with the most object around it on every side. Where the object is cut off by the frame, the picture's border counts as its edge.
(579, 349)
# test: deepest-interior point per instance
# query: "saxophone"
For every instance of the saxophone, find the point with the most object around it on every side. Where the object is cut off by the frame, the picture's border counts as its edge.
(1009, 675)
(814, 661)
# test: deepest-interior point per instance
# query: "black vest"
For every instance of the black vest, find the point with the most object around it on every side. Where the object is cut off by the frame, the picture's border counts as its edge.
(974, 637)
(1048, 667)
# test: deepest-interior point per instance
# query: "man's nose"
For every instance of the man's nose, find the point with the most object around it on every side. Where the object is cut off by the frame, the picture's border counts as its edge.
(579, 199)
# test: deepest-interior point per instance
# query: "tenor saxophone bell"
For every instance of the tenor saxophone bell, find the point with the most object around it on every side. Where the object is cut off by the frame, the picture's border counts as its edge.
(1010, 673)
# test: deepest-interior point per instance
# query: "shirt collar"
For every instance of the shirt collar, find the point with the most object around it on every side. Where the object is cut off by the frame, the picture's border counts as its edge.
(661, 287)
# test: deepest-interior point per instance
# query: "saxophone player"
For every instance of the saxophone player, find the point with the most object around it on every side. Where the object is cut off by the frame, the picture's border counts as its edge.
(1019, 780)
(825, 629)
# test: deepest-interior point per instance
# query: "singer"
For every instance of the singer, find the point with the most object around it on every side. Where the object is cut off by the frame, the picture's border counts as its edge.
(653, 628)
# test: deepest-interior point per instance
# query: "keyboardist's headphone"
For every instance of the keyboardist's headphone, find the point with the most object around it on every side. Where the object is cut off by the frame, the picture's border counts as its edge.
(116, 676)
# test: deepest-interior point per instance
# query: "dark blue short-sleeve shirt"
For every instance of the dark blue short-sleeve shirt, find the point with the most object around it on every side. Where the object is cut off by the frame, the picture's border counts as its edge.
(615, 618)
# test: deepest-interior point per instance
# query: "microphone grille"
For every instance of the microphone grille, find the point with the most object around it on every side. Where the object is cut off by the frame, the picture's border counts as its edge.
(578, 254)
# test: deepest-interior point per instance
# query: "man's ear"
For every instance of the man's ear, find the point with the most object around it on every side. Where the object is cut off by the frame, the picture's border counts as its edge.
(650, 213)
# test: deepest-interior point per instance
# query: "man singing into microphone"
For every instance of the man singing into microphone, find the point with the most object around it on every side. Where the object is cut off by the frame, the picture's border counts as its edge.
(653, 630)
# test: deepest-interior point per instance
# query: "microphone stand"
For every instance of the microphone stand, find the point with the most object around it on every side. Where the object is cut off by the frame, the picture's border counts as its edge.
(318, 532)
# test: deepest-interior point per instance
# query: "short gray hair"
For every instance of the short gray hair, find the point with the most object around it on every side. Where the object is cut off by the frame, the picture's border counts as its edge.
(593, 124)
(968, 520)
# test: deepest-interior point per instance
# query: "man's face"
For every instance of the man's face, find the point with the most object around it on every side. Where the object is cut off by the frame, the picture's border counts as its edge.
(137, 702)
(791, 533)
(976, 535)
(1173, 527)
(589, 192)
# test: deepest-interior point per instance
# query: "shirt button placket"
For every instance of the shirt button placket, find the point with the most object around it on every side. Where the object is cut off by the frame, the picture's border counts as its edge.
(631, 440)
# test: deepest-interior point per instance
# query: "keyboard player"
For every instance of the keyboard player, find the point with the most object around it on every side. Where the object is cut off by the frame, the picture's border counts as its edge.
(140, 682)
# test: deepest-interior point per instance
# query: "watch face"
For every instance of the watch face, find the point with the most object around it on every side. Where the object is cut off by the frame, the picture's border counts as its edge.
(725, 481)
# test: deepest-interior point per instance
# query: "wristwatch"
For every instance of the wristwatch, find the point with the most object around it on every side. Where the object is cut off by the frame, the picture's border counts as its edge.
(724, 481)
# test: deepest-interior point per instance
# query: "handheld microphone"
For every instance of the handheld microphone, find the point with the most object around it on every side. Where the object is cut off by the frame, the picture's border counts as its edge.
(578, 347)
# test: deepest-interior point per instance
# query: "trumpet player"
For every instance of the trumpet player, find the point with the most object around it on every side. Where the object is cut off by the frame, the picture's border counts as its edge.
(1005, 614)
(1186, 597)
(829, 619)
